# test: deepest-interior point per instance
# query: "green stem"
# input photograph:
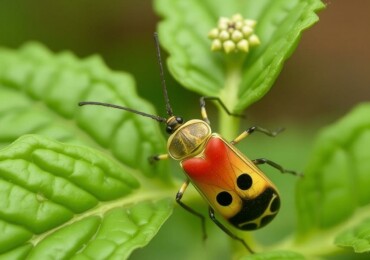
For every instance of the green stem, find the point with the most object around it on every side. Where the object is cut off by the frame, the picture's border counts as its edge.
(229, 125)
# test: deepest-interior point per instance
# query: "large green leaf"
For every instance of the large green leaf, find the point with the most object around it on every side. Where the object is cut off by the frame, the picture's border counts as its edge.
(183, 33)
(334, 197)
(276, 255)
(70, 201)
(39, 93)
(357, 237)
(337, 178)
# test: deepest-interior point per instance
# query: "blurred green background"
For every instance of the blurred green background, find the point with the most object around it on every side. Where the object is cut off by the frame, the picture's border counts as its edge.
(327, 75)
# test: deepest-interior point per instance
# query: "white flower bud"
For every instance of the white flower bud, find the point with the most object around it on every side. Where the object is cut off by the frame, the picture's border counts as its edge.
(213, 34)
(243, 45)
(246, 30)
(254, 40)
(238, 25)
(216, 45)
(237, 17)
(229, 46)
(236, 36)
(223, 23)
(250, 22)
(224, 35)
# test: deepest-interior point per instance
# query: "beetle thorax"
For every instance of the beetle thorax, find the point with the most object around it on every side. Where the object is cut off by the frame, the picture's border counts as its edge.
(189, 139)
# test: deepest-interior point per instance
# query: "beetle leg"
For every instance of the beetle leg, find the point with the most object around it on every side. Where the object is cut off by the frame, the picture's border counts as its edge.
(276, 166)
(227, 231)
(204, 112)
(252, 129)
(156, 158)
(179, 195)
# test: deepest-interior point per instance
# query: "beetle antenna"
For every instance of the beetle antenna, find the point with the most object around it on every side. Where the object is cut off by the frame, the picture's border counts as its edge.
(157, 118)
(165, 94)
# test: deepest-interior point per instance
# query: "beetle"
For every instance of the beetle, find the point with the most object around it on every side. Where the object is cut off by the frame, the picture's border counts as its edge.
(232, 184)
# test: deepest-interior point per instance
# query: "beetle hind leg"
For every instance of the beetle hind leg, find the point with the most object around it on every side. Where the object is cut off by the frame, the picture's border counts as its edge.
(227, 231)
(179, 195)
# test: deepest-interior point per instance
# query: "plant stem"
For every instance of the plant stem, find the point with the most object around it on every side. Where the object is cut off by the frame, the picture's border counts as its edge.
(229, 125)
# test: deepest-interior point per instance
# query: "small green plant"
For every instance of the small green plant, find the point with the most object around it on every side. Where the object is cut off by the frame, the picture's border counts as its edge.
(75, 183)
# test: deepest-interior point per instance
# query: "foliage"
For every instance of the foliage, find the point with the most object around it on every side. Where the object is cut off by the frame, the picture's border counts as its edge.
(51, 191)
(75, 182)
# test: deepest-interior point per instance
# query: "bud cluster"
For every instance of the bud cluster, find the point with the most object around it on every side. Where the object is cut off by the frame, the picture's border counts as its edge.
(234, 34)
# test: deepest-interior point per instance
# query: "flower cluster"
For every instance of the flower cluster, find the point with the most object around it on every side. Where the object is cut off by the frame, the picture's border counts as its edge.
(233, 35)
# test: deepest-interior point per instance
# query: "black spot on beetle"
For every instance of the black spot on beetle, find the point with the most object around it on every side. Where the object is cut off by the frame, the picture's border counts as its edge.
(244, 181)
(224, 198)
(267, 219)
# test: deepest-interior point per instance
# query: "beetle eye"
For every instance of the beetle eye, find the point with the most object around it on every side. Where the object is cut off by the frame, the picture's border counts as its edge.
(169, 129)
(179, 120)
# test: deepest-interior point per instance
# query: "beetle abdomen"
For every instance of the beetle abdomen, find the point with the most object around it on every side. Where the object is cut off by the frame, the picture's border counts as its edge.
(258, 212)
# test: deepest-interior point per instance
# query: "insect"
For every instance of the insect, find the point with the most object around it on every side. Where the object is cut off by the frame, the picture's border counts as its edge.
(232, 184)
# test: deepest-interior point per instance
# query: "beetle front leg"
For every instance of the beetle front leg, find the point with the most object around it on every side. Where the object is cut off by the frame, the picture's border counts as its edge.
(253, 129)
(179, 195)
(204, 112)
(227, 231)
(156, 158)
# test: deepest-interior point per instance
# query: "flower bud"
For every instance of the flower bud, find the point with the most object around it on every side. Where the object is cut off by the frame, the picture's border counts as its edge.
(243, 45)
(234, 34)
(254, 40)
(224, 35)
(216, 45)
(229, 46)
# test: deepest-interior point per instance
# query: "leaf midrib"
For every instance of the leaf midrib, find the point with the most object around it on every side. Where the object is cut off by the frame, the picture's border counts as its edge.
(137, 197)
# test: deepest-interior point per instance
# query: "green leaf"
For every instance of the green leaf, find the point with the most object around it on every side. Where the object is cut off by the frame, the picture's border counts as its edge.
(357, 237)
(66, 200)
(275, 255)
(183, 33)
(333, 198)
(70, 201)
(39, 93)
(337, 180)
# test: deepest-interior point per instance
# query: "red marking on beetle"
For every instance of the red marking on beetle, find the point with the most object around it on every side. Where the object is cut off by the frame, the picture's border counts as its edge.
(215, 167)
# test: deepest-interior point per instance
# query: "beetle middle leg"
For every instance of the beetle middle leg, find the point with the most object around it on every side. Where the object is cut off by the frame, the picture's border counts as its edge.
(276, 166)
(227, 231)
(246, 132)
(204, 112)
(179, 195)
(252, 129)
